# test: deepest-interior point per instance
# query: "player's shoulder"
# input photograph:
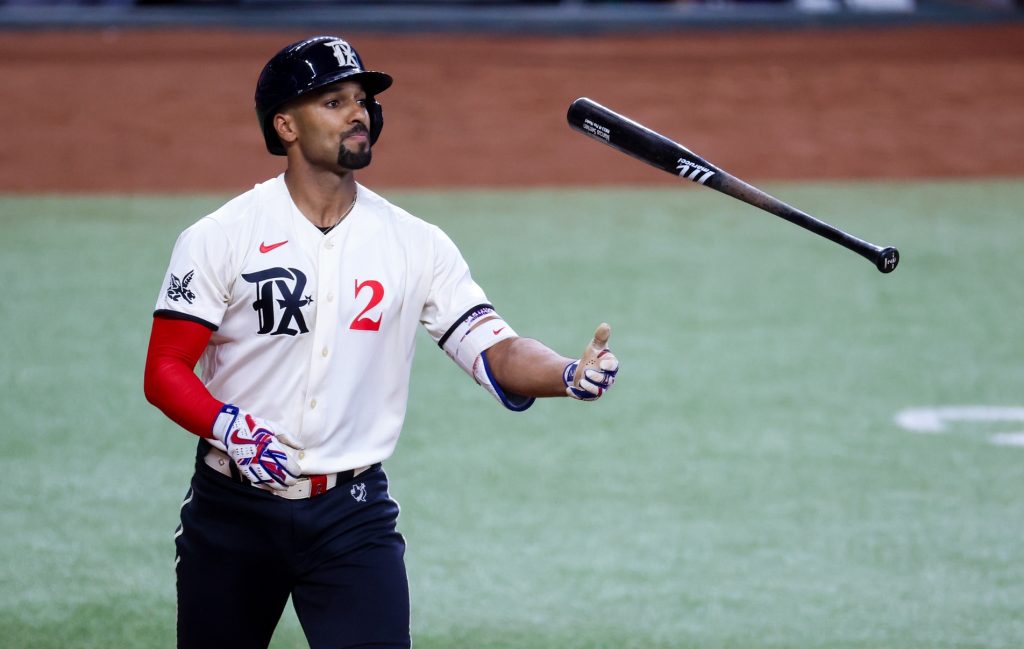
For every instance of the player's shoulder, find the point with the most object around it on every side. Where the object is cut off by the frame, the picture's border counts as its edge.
(241, 212)
(264, 198)
(396, 216)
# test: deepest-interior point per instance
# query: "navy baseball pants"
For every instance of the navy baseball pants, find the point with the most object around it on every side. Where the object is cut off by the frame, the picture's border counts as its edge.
(241, 552)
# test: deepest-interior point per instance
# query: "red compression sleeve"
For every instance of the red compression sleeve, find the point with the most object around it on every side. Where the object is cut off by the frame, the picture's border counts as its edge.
(170, 380)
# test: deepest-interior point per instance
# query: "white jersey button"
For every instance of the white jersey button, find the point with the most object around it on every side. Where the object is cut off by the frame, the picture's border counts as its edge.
(329, 244)
(330, 297)
(312, 404)
(324, 352)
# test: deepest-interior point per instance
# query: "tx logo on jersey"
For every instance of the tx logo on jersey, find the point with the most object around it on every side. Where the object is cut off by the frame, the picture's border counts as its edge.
(279, 300)
(343, 52)
(178, 290)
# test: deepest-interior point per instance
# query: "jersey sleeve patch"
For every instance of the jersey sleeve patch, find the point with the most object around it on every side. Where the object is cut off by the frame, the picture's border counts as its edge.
(195, 284)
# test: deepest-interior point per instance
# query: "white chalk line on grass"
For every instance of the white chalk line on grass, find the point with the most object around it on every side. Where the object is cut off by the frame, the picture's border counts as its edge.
(938, 420)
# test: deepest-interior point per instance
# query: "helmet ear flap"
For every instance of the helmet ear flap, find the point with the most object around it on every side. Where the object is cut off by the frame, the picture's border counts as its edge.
(376, 113)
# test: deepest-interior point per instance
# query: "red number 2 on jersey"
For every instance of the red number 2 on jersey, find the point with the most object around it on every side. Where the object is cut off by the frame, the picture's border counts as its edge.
(361, 322)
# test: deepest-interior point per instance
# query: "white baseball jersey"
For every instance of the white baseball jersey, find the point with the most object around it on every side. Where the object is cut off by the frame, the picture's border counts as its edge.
(315, 332)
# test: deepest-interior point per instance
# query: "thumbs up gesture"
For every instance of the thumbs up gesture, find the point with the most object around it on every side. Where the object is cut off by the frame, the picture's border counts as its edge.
(594, 372)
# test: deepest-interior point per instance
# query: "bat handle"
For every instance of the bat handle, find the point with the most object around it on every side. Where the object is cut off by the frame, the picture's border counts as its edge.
(588, 360)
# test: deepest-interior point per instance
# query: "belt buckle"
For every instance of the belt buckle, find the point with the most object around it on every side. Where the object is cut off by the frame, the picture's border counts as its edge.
(317, 485)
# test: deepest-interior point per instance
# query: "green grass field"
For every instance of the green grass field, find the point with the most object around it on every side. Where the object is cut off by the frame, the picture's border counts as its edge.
(744, 486)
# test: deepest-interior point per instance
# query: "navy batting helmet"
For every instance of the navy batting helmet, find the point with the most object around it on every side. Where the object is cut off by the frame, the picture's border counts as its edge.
(307, 65)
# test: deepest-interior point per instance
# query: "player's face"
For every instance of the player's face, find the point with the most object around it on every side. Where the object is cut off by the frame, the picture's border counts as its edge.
(333, 126)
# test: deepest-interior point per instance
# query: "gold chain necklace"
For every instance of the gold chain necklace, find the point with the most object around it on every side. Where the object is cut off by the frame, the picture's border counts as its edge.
(341, 218)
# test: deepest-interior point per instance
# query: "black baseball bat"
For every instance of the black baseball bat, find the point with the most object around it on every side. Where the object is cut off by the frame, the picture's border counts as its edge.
(621, 133)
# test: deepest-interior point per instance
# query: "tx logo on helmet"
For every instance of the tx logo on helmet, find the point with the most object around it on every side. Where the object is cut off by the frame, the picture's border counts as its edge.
(344, 53)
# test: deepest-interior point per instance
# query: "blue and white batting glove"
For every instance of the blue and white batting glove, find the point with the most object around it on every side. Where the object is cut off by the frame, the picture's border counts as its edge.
(595, 380)
(265, 458)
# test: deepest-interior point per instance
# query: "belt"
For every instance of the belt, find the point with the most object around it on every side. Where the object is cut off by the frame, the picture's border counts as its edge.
(308, 486)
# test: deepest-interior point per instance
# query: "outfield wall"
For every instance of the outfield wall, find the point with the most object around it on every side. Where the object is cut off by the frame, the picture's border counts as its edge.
(170, 109)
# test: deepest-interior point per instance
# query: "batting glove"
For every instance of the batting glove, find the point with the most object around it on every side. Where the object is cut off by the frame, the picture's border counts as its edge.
(265, 458)
(595, 381)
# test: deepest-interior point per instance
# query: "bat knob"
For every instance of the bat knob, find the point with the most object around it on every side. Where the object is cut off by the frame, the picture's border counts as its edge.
(887, 259)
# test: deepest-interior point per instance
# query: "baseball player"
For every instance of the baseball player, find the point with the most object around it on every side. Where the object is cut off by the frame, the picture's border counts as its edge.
(300, 301)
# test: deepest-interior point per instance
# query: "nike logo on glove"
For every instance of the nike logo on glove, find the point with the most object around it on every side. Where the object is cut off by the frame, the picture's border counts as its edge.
(264, 248)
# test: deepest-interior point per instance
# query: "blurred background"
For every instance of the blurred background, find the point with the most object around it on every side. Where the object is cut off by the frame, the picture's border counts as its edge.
(800, 452)
(766, 90)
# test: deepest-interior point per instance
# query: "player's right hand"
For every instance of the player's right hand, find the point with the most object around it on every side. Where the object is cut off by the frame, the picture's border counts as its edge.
(265, 458)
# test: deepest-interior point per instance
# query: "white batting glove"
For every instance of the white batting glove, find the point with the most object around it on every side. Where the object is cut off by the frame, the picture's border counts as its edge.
(265, 458)
(595, 381)
(594, 372)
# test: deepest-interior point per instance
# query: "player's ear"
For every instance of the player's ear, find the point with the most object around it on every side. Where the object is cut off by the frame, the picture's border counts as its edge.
(284, 126)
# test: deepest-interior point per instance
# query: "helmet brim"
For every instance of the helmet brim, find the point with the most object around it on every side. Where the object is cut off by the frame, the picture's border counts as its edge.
(373, 83)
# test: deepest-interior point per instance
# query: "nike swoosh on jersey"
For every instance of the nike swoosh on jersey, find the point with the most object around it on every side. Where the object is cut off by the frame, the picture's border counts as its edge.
(264, 248)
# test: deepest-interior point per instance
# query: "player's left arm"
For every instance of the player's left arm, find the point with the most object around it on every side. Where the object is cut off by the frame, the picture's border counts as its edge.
(530, 368)
(513, 369)
(517, 370)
